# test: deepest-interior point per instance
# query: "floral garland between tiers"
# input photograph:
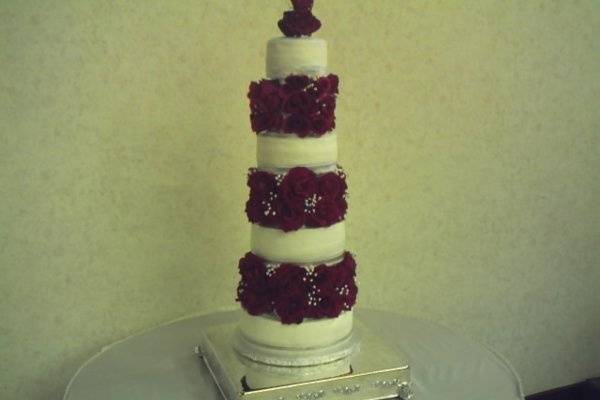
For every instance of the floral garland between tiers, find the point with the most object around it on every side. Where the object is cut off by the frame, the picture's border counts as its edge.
(299, 105)
(296, 199)
(296, 292)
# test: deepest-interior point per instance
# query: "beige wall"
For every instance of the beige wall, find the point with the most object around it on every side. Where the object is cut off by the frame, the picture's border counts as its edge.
(470, 132)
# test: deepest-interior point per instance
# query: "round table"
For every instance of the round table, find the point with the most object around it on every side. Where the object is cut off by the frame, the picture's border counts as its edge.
(161, 364)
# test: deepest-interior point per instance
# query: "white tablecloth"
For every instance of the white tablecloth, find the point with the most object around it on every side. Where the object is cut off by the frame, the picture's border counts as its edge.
(160, 364)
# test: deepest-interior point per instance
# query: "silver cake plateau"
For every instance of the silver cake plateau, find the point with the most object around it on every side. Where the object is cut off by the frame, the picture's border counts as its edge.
(375, 371)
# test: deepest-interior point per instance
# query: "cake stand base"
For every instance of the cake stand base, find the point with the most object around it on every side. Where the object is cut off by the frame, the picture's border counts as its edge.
(375, 372)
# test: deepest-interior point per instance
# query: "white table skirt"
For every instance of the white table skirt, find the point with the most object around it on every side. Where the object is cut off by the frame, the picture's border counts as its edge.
(160, 364)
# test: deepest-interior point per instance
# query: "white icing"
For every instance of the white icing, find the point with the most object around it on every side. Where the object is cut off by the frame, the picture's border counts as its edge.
(287, 56)
(304, 245)
(268, 330)
(281, 150)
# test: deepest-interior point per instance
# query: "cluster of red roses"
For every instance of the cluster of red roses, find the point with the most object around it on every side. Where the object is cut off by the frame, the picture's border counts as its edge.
(294, 292)
(300, 21)
(298, 198)
(299, 105)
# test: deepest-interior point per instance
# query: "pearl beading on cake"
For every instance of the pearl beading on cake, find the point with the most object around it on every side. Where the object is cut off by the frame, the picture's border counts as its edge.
(311, 202)
(268, 204)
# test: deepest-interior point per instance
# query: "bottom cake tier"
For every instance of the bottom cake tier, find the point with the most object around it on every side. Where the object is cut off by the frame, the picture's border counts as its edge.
(278, 354)
(262, 376)
(267, 330)
(361, 366)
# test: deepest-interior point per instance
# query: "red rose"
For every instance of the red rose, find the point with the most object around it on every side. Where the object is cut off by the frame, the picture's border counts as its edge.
(302, 4)
(253, 272)
(268, 87)
(270, 103)
(260, 122)
(342, 205)
(287, 278)
(347, 268)
(254, 303)
(327, 105)
(262, 89)
(297, 124)
(298, 23)
(273, 213)
(297, 103)
(253, 286)
(254, 91)
(261, 183)
(289, 292)
(298, 184)
(312, 312)
(266, 121)
(325, 213)
(334, 82)
(258, 285)
(320, 88)
(291, 308)
(331, 185)
(350, 295)
(254, 210)
(295, 83)
(251, 266)
(327, 277)
(320, 124)
(329, 305)
(266, 214)
(292, 217)
(265, 105)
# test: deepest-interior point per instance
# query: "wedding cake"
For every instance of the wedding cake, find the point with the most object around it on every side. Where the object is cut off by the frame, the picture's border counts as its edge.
(297, 283)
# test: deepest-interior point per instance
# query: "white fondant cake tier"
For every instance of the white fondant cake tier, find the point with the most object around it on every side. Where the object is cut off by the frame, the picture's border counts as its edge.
(289, 56)
(269, 331)
(305, 245)
(281, 150)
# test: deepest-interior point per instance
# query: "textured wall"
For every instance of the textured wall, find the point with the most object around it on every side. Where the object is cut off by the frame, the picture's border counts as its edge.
(470, 132)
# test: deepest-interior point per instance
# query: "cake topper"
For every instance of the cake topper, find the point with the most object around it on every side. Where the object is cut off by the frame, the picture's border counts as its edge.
(302, 4)
(300, 21)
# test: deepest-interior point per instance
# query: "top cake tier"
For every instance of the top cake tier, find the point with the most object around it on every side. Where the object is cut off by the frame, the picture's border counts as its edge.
(296, 56)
